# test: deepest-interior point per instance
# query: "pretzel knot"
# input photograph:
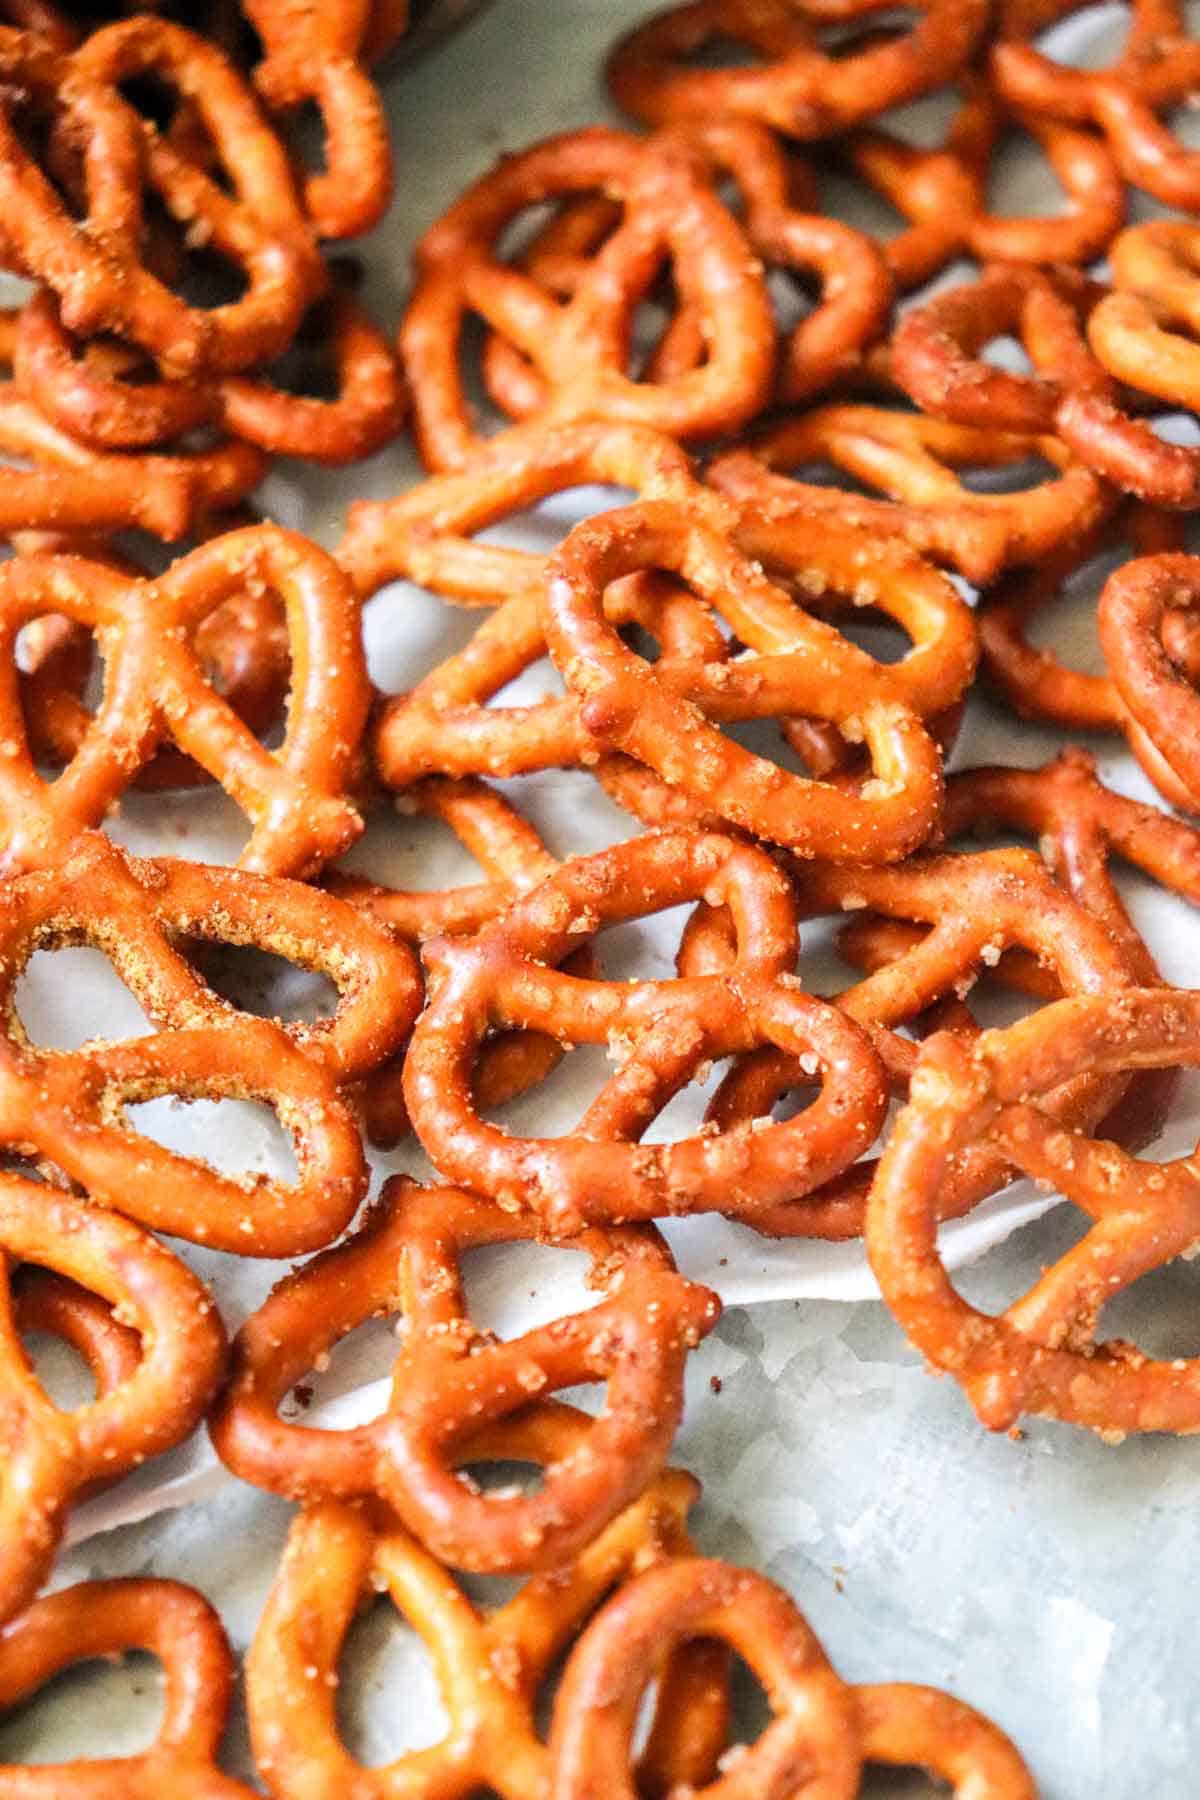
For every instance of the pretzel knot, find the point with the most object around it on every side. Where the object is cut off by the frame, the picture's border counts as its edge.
(150, 1394)
(108, 1619)
(580, 347)
(450, 1380)
(1138, 604)
(1041, 1355)
(490, 1667)
(66, 1105)
(795, 86)
(914, 460)
(821, 1732)
(661, 1032)
(156, 689)
(944, 920)
(316, 56)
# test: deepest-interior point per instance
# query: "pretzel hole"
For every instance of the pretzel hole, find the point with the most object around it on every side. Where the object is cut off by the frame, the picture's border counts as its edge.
(100, 1708)
(235, 1137)
(1008, 478)
(1091, 37)
(382, 1657)
(269, 986)
(1066, 626)
(844, 194)
(891, 1783)
(512, 1288)
(66, 997)
(1022, 182)
(844, 38)
(720, 50)
(62, 1373)
(543, 527)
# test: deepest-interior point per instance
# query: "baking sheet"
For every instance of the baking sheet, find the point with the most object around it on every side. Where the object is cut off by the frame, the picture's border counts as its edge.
(967, 1562)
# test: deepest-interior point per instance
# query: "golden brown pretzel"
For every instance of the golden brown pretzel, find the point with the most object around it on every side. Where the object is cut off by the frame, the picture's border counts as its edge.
(451, 1379)
(490, 1666)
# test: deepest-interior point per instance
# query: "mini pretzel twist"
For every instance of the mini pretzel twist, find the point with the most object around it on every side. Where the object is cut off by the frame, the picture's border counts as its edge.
(1137, 604)
(106, 1619)
(155, 688)
(66, 1105)
(949, 918)
(1041, 1354)
(912, 459)
(451, 1379)
(490, 1667)
(661, 1032)
(794, 86)
(143, 1405)
(580, 347)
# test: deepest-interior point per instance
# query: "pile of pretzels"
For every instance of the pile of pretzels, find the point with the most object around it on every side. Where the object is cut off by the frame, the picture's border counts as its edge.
(807, 438)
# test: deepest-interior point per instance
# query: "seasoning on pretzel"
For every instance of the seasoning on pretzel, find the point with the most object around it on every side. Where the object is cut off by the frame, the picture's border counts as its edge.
(451, 1379)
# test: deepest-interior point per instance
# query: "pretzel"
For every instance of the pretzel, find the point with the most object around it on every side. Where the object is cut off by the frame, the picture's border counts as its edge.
(912, 460)
(661, 1031)
(969, 911)
(936, 360)
(73, 488)
(515, 859)
(794, 86)
(1079, 825)
(450, 1380)
(1158, 68)
(490, 1666)
(313, 54)
(443, 725)
(52, 1455)
(1041, 1356)
(243, 645)
(105, 1620)
(258, 223)
(1139, 601)
(107, 410)
(65, 1105)
(920, 1727)
(812, 1743)
(785, 226)
(1038, 685)
(580, 348)
(155, 688)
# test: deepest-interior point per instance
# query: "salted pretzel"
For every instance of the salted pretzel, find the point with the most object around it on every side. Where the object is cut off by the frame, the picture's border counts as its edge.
(104, 408)
(580, 348)
(906, 1726)
(1035, 681)
(1139, 602)
(793, 84)
(784, 223)
(70, 487)
(661, 1031)
(1063, 323)
(812, 1741)
(94, 265)
(513, 857)
(945, 919)
(490, 1666)
(1158, 69)
(105, 1620)
(155, 688)
(243, 646)
(315, 54)
(822, 1731)
(667, 719)
(256, 221)
(913, 460)
(53, 1455)
(1041, 1355)
(65, 1106)
(443, 725)
(450, 1379)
